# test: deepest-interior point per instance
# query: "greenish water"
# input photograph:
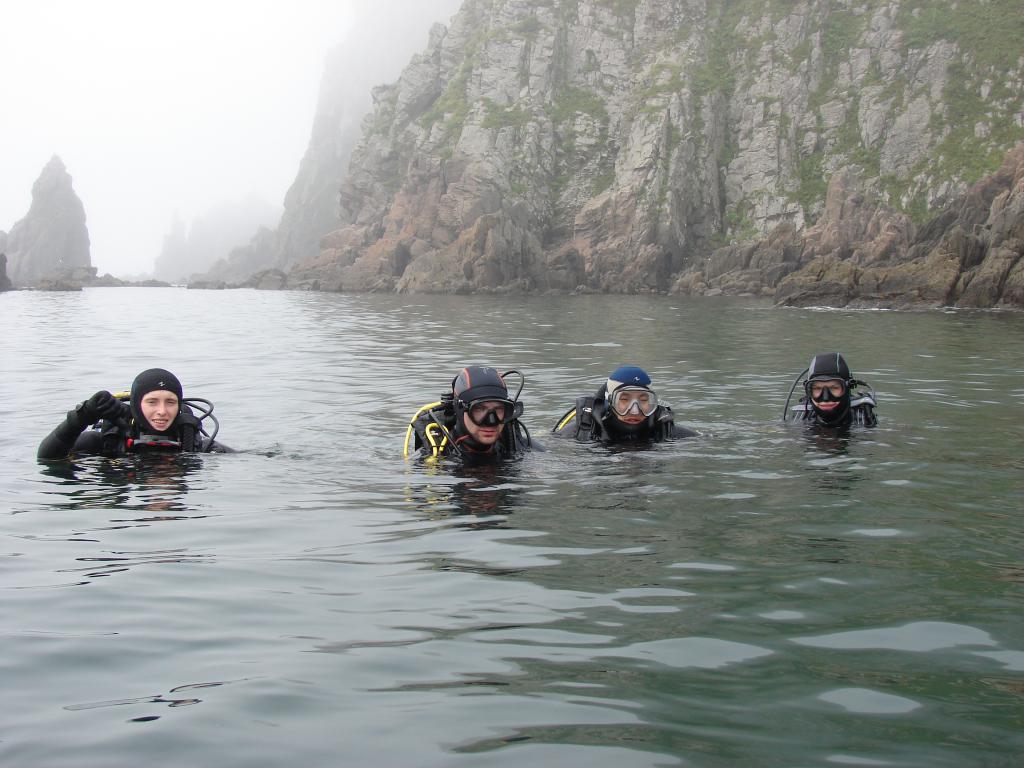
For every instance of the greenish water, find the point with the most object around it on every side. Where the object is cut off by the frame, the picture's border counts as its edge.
(757, 596)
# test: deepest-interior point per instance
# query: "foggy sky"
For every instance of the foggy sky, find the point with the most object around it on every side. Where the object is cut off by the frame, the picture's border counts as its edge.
(158, 109)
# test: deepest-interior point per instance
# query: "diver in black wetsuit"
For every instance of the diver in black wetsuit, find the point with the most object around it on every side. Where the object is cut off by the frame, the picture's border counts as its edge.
(155, 418)
(477, 421)
(830, 398)
(624, 409)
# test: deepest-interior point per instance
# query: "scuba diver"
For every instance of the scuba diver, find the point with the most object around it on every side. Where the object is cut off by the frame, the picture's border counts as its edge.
(477, 421)
(155, 418)
(624, 409)
(830, 399)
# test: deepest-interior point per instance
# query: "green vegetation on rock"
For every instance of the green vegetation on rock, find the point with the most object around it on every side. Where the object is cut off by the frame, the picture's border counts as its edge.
(977, 128)
(962, 153)
(739, 225)
(622, 8)
(496, 116)
(571, 101)
(603, 182)
(992, 30)
(451, 107)
(813, 183)
(841, 32)
(528, 28)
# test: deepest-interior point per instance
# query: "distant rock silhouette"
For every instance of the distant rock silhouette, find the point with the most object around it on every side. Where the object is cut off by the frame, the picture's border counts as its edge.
(51, 241)
(5, 281)
(194, 248)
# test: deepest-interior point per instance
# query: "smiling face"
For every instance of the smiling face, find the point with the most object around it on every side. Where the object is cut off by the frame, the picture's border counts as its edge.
(159, 408)
(826, 394)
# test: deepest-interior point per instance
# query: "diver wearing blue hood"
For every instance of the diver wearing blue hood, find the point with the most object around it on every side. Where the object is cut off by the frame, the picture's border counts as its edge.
(154, 416)
(476, 420)
(830, 398)
(624, 409)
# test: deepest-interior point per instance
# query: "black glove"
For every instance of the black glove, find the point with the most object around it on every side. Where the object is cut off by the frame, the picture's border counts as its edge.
(103, 405)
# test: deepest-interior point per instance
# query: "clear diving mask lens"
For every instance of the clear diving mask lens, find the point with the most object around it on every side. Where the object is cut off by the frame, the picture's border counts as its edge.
(491, 413)
(636, 400)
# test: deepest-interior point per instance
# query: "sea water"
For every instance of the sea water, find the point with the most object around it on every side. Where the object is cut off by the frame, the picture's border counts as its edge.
(755, 596)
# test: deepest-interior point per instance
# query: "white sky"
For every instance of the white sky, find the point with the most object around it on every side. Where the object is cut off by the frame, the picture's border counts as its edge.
(157, 107)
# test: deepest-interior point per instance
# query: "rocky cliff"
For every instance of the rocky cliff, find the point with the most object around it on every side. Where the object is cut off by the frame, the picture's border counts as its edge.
(52, 239)
(614, 145)
(384, 35)
(310, 205)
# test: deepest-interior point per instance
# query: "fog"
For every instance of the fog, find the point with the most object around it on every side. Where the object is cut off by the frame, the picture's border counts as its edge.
(165, 111)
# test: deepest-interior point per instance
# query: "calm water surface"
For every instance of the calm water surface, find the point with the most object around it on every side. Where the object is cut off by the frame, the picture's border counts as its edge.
(753, 597)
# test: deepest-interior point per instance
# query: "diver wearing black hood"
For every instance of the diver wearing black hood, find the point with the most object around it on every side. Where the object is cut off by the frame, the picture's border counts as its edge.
(830, 398)
(155, 417)
(476, 421)
(624, 409)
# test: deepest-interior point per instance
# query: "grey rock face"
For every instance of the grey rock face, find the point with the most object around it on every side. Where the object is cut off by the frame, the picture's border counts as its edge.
(52, 238)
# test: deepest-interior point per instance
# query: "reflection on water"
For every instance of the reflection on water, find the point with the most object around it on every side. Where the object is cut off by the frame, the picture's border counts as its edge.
(762, 594)
(150, 483)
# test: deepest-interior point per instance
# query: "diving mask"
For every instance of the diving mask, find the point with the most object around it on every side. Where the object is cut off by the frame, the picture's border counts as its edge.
(638, 400)
(153, 442)
(491, 413)
(826, 389)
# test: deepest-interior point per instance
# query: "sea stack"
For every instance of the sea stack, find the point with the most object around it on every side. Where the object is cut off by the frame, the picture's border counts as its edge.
(51, 240)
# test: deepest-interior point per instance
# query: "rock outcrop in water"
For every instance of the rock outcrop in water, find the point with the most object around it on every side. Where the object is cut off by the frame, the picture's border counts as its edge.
(614, 145)
(5, 281)
(51, 242)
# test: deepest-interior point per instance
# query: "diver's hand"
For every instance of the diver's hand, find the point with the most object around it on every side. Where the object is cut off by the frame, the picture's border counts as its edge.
(103, 405)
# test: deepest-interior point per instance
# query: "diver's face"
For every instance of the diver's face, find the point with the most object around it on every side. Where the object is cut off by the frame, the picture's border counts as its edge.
(485, 435)
(632, 405)
(827, 394)
(159, 408)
